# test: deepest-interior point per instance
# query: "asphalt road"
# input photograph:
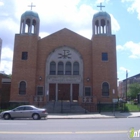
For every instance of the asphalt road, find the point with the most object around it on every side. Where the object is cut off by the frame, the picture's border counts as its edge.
(68, 129)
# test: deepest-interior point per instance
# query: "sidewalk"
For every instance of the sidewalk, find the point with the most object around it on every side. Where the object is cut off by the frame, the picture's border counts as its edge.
(102, 115)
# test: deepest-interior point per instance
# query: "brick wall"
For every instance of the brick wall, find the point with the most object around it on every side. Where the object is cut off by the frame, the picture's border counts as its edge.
(24, 70)
(38, 51)
(104, 71)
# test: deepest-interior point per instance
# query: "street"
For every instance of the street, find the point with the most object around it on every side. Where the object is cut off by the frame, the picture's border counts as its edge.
(68, 129)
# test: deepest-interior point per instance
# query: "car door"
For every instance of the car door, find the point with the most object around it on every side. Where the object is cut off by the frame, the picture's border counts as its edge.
(28, 111)
(18, 112)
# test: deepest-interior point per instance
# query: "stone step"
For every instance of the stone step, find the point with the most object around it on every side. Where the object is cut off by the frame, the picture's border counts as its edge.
(64, 107)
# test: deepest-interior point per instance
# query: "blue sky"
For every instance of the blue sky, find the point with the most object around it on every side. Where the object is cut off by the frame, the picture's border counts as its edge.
(76, 15)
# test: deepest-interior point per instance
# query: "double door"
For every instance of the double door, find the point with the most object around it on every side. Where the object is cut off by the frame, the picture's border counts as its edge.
(63, 91)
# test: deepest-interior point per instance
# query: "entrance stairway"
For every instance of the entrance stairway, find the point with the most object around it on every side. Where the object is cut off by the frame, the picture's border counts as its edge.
(65, 107)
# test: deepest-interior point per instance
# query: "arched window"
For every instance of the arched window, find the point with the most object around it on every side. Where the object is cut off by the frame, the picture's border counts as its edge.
(76, 68)
(52, 68)
(105, 89)
(103, 29)
(22, 88)
(96, 27)
(68, 68)
(60, 68)
(33, 27)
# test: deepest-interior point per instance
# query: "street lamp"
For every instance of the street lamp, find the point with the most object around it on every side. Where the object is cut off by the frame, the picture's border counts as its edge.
(126, 83)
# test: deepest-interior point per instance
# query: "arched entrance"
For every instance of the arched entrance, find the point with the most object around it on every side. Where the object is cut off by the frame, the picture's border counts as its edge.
(64, 74)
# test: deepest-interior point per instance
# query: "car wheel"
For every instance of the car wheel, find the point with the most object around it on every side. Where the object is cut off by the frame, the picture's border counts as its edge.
(36, 117)
(7, 116)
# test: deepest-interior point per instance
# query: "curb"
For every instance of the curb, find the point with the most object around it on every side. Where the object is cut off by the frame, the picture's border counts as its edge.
(80, 117)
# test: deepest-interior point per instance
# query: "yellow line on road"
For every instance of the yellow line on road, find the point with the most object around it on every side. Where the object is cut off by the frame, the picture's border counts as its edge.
(5, 132)
(53, 133)
(101, 132)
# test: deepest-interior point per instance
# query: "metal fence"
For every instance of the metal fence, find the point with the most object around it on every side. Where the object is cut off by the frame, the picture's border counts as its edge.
(9, 105)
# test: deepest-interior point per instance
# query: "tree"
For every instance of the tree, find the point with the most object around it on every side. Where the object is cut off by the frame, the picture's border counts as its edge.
(10, 75)
(133, 90)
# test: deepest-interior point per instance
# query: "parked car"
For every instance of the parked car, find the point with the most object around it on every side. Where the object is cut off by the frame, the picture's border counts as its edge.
(122, 100)
(24, 111)
(135, 101)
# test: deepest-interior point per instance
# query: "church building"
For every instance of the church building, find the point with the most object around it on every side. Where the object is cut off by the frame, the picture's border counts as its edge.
(64, 65)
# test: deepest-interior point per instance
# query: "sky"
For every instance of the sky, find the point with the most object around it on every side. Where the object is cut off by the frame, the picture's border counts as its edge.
(76, 15)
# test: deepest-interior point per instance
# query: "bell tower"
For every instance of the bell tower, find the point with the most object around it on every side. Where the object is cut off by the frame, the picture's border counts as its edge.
(101, 23)
(29, 23)
(25, 58)
(104, 60)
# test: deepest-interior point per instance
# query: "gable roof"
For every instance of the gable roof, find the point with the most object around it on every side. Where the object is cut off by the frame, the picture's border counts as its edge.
(66, 33)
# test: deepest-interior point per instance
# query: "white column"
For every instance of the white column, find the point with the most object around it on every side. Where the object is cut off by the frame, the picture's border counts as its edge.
(56, 92)
(30, 26)
(71, 93)
(21, 26)
(99, 26)
(94, 28)
(107, 29)
(47, 92)
(81, 89)
(24, 26)
(109, 26)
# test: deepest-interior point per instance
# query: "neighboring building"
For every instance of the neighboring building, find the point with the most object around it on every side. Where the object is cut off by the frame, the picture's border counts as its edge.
(124, 85)
(5, 85)
(0, 48)
(64, 65)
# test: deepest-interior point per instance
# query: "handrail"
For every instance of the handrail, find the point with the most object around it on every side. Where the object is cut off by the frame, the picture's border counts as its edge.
(88, 99)
(54, 105)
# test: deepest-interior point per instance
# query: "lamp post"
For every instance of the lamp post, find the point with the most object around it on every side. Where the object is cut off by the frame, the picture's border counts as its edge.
(126, 83)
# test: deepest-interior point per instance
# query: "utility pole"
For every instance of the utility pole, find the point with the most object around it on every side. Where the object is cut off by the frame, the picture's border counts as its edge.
(126, 83)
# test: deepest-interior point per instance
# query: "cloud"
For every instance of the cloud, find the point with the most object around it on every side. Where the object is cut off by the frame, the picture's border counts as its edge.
(102, 1)
(7, 54)
(6, 67)
(134, 6)
(1, 3)
(115, 24)
(132, 48)
(54, 15)
(120, 48)
(6, 63)
(43, 34)
(127, 0)
(123, 69)
(71, 14)
(76, 18)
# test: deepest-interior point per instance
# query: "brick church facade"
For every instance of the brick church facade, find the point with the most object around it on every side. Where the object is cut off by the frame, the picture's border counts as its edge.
(64, 65)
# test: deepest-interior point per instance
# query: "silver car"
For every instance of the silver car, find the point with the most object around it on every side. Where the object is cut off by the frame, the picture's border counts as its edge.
(24, 111)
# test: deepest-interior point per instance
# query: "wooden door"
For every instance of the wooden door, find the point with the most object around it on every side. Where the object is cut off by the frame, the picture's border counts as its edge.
(75, 91)
(63, 91)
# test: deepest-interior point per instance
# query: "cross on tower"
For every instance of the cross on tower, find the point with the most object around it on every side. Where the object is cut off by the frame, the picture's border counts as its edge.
(31, 6)
(100, 6)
